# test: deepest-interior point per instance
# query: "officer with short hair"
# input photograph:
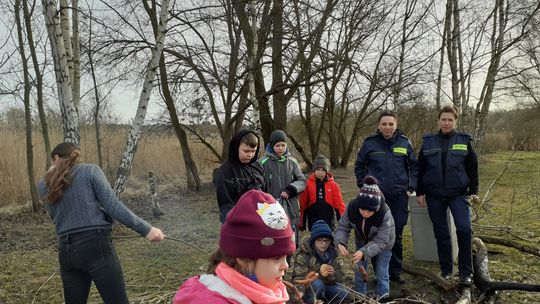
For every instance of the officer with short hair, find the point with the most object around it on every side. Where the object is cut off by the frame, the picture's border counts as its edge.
(448, 174)
(389, 156)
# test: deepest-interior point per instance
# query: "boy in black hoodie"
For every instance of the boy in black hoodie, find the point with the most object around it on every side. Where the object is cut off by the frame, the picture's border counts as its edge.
(240, 172)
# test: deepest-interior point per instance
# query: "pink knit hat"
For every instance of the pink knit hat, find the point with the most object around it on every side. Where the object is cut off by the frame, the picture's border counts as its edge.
(257, 227)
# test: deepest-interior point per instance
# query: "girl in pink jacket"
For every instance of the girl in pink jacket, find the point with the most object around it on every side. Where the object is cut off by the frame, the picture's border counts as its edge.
(251, 260)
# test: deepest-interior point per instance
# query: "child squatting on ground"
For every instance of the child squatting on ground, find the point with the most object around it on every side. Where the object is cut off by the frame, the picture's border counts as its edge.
(322, 198)
(318, 253)
(250, 263)
(374, 232)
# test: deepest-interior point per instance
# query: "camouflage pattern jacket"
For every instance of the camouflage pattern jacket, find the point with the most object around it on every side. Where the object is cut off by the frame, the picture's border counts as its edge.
(306, 260)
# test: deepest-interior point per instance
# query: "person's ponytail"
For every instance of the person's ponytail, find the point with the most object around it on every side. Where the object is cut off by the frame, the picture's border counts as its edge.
(57, 178)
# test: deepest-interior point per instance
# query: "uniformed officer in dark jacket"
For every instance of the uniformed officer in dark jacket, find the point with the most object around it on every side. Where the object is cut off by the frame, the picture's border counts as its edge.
(389, 156)
(448, 174)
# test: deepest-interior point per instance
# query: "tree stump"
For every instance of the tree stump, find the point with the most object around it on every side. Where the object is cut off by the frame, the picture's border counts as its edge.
(156, 209)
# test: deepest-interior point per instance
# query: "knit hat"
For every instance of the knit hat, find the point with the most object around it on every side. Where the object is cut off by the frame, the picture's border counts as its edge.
(321, 162)
(320, 229)
(257, 227)
(277, 136)
(369, 197)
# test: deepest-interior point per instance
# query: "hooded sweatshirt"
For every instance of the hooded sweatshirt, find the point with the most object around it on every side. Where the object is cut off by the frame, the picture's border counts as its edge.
(235, 178)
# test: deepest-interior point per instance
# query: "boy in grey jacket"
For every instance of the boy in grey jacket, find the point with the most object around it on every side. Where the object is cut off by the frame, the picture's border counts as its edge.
(374, 232)
(282, 176)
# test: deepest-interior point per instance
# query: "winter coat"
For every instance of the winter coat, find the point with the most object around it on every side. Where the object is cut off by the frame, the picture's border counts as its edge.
(372, 235)
(306, 260)
(235, 178)
(282, 173)
(312, 209)
(208, 288)
(391, 161)
(448, 165)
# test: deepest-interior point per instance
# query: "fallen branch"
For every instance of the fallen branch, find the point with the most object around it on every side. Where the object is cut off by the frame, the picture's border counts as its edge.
(482, 279)
(37, 291)
(510, 243)
(432, 276)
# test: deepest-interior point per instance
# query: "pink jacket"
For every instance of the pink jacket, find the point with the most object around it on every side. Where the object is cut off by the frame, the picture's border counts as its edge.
(208, 288)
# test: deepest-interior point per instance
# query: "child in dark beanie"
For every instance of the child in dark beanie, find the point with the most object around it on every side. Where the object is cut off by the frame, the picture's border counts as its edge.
(318, 253)
(283, 177)
(374, 232)
(322, 198)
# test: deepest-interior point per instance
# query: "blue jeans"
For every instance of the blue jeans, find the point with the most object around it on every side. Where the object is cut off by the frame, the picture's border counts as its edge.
(90, 256)
(382, 262)
(437, 209)
(330, 292)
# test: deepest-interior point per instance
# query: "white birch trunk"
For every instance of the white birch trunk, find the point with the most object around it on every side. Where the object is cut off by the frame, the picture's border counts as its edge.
(251, 66)
(76, 58)
(70, 119)
(133, 136)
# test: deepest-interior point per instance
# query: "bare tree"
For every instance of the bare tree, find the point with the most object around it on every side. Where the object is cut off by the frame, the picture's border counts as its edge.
(38, 82)
(133, 136)
(27, 110)
(192, 172)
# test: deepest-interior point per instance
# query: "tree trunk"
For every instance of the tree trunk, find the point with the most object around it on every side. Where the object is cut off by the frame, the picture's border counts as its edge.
(279, 102)
(27, 110)
(70, 118)
(76, 58)
(133, 136)
(97, 108)
(39, 84)
(192, 172)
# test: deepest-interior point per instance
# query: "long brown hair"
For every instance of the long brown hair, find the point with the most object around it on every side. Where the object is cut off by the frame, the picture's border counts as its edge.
(57, 177)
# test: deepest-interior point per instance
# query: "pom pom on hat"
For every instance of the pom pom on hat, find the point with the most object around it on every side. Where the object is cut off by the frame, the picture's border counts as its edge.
(370, 196)
(277, 136)
(257, 227)
(320, 229)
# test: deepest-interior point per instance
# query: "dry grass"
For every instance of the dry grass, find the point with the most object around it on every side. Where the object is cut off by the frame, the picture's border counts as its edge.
(160, 153)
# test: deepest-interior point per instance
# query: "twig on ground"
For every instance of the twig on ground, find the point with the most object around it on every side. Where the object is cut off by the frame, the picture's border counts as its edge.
(37, 291)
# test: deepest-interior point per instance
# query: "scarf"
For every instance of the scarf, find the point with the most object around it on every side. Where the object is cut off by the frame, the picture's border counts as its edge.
(255, 292)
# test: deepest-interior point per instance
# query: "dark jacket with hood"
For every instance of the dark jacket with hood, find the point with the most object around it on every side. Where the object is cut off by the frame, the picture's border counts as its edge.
(235, 178)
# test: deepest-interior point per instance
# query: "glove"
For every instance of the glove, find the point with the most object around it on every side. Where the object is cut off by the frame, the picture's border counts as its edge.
(474, 199)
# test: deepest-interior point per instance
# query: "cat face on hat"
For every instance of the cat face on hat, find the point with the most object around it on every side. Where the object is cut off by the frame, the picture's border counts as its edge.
(257, 227)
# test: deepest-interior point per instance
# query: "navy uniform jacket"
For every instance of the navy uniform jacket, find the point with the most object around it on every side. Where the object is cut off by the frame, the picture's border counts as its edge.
(391, 161)
(448, 165)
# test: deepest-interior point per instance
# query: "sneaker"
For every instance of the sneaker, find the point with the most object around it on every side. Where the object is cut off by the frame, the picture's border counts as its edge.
(384, 299)
(466, 280)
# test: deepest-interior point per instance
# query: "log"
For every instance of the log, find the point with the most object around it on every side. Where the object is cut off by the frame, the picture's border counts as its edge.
(430, 275)
(483, 280)
(511, 243)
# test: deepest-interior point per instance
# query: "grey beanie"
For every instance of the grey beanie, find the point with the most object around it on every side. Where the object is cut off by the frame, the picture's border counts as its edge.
(321, 162)
(277, 136)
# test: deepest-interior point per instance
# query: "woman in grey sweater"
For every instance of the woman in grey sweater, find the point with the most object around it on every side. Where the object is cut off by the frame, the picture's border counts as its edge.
(82, 206)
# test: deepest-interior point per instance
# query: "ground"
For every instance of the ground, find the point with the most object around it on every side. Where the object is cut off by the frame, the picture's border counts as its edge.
(153, 271)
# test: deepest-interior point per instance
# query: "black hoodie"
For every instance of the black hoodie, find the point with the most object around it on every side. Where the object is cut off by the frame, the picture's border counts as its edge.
(235, 178)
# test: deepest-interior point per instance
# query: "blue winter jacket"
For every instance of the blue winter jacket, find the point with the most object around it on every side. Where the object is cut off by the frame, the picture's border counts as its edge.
(391, 161)
(457, 174)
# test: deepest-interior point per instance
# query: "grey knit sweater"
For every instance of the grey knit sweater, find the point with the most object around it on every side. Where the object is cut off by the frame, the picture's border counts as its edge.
(89, 203)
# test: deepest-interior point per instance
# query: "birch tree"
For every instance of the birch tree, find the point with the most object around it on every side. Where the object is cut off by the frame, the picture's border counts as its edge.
(70, 120)
(134, 132)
